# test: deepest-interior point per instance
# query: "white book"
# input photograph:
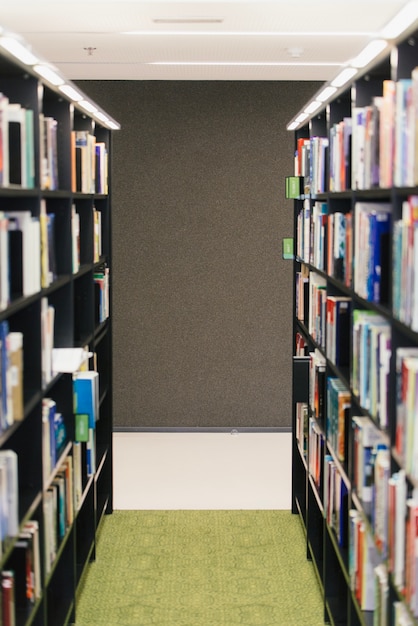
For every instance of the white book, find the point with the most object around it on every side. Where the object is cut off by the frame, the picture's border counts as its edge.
(31, 245)
(47, 340)
(16, 115)
(8, 458)
(4, 261)
(4, 140)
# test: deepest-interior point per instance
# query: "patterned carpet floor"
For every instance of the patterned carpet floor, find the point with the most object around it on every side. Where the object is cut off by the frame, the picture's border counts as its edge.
(200, 568)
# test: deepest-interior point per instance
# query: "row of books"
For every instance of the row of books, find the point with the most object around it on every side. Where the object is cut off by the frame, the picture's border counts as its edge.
(340, 155)
(302, 294)
(405, 264)
(311, 162)
(398, 612)
(371, 345)
(338, 324)
(86, 411)
(316, 444)
(17, 152)
(363, 559)
(336, 500)
(317, 384)
(375, 147)
(384, 141)
(21, 584)
(302, 408)
(372, 224)
(337, 417)
(325, 240)
(101, 281)
(406, 408)
(11, 376)
(59, 504)
(89, 163)
(28, 258)
(54, 436)
(21, 577)
(303, 232)
(317, 308)
(9, 506)
(20, 255)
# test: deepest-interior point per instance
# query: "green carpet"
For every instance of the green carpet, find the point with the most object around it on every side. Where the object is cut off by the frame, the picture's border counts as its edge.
(200, 568)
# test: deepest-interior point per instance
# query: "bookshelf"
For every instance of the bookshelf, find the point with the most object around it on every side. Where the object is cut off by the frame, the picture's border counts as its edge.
(355, 193)
(55, 322)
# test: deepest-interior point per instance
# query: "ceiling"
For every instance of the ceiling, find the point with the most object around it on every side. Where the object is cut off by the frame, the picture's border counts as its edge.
(256, 40)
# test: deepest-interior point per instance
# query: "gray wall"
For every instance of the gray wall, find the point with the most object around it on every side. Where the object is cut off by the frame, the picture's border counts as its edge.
(202, 301)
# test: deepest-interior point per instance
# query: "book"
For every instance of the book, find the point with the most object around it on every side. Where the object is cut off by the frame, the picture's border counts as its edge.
(86, 395)
(77, 474)
(8, 598)
(15, 347)
(31, 249)
(371, 250)
(31, 528)
(9, 494)
(338, 329)
(17, 144)
(4, 141)
(5, 274)
(20, 562)
(47, 340)
(366, 437)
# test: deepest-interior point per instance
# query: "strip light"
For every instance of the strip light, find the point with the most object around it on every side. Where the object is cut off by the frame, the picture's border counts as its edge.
(72, 93)
(18, 50)
(313, 106)
(244, 64)
(343, 77)
(244, 33)
(369, 53)
(326, 93)
(49, 74)
(88, 106)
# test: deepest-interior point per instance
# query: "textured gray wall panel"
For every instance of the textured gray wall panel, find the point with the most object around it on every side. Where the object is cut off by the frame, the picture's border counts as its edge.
(201, 297)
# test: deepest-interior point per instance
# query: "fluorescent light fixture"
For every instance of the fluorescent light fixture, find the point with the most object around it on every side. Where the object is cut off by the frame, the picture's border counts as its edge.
(405, 18)
(344, 76)
(88, 106)
(49, 74)
(301, 118)
(326, 93)
(292, 126)
(18, 50)
(113, 125)
(369, 53)
(245, 33)
(101, 116)
(72, 93)
(313, 106)
(188, 20)
(245, 64)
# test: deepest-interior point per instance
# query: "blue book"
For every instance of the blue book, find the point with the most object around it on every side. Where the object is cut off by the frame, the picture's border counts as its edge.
(86, 395)
(377, 285)
(5, 417)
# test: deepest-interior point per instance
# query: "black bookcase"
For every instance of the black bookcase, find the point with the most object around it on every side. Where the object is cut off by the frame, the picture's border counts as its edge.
(354, 475)
(78, 291)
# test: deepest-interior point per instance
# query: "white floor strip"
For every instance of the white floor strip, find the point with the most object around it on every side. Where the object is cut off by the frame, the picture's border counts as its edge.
(202, 471)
